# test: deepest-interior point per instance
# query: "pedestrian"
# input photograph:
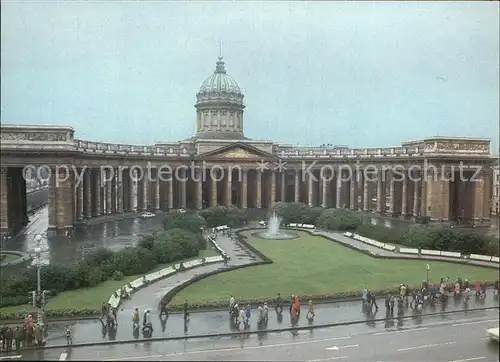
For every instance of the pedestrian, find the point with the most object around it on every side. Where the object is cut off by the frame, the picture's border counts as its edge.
(310, 311)
(69, 340)
(374, 301)
(18, 337)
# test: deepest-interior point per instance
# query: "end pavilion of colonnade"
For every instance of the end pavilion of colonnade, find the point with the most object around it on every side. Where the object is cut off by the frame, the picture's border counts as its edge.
(443, 178)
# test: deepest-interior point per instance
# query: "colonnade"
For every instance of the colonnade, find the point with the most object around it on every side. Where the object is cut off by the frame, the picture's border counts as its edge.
(92, 192)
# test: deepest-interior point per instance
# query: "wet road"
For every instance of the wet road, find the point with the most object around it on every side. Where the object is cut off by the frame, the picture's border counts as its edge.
(456, 337)
(113, 235)
(213, 322)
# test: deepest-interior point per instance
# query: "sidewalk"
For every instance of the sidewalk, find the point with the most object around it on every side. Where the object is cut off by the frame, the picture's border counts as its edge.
(342, 239)
(218, 321)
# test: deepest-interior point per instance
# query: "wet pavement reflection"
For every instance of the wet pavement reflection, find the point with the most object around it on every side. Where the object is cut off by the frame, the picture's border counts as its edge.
(114, 235)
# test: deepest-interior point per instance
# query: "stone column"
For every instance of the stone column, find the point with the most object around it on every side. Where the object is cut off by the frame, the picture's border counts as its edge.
(51, 201)
(445, 196)
(380, 194)
(392, 194)
(404, 196)
(244, 188)
(171, 193)
(283, 186)
(88, 193)
(229, 188)
(338, 198)
(273, 187)
(367, 202)
(4, 201)
(213, 196)
(479, 197)
(157, 191)
(199, 189)
(488, 194)
(353, 200)
(325, 186)
(134, 185)
(64, 200)
(108, 186)
(80, 199)
(114, 191)
(310, 191)
(97, 186)
(145, 192)
(119, 189)
(297, 187)
(436, 202)
(258, 193)
(416, 197)
(183, 189)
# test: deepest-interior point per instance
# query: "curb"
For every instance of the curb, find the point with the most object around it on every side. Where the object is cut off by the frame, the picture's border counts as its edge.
(396, 257)
(247, 333)
(265, 260)
(167, 298)
(23, 258)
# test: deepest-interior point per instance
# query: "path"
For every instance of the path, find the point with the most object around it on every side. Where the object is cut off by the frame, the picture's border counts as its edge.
(218, 321)
(342, 239)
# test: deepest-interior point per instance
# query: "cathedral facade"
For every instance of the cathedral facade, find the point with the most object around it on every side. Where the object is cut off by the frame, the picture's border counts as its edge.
(442, 178)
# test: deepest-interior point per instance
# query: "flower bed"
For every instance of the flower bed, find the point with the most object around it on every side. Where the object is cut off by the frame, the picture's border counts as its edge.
(57, 313)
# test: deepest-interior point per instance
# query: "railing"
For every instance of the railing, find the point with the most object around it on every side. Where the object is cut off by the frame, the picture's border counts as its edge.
(132, 150)
(341, 152)
(181, 150)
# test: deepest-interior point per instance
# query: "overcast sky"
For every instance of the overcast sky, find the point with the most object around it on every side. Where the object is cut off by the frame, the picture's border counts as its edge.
(359, 74)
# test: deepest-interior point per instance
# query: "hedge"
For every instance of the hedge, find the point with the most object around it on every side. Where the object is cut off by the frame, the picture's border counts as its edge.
(444, 239)
(221, 215)
(167, 246)
(56, 313)
(339, 219)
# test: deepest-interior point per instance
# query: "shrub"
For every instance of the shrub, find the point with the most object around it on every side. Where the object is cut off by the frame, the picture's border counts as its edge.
(134, 260)
(183, 241)
(99, 256)
(291, 212)
(147, 242)
(424, 220)
(338, 219)
(117, 275)
(176, 244)
(380, 233)
(85, 275)
(444, 239)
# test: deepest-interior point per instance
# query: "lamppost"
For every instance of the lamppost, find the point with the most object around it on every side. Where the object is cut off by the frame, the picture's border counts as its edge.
(37, 251)
(427, 269)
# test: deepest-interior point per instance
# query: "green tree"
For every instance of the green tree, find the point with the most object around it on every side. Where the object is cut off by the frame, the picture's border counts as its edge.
(190, 222)
(338, 219)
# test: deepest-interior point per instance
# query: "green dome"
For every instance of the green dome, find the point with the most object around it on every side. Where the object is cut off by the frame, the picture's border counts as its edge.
(220, 87)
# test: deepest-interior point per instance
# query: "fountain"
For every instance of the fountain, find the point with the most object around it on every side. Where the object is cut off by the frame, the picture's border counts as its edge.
(273, 230)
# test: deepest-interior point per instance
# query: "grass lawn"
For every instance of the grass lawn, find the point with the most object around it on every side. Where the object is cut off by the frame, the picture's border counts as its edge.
(315, 265)
(92, 298)
(8, 258)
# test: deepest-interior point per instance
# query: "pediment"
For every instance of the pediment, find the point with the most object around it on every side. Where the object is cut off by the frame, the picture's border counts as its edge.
(236, 151)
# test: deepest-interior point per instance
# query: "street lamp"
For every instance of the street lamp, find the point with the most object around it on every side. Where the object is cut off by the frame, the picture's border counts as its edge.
(37, 251)
(427, 269)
